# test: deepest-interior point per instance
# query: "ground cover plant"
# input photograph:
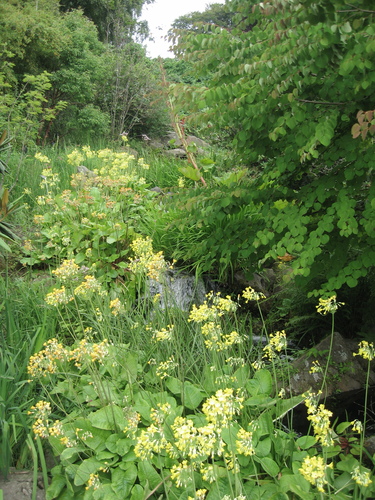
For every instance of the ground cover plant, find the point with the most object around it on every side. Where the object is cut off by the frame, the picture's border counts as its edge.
(148, 421)
(140, 400)
(125, 393)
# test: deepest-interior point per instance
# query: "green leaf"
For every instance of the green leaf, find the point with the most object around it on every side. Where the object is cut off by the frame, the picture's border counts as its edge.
(137, 493)
(305, 442)
(264, 379)
(122, 481)
(55, 488)
(87, 467)
(269, 465)
(174, 385)
(192, 396)
(148, 475)
(110, 417)
(190, 173)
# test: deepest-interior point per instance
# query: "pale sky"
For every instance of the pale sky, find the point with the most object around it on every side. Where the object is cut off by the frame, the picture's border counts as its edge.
(161, 14)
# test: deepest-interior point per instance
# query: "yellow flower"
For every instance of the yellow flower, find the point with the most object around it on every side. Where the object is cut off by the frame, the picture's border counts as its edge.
(163, 334)
(162, 371)
(45, 362)
(116, 307)
(221, 408)
(93, 482)
(319, 417)
(329, 305)
(361, 477)
(277, 343)
(199, 495)
(366, 350)
(314, 470)
(58, 296)
(244, 443)
(250, 294)
(357, 426)
(42, 158)
(182, 474)
(315, 367)
(67, 270)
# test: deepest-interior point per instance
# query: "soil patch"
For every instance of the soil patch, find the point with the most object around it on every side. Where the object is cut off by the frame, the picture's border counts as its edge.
(19, 486)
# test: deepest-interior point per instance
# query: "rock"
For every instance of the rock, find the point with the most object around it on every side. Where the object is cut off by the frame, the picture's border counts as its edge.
(177, 153)
(156, 145)
(81, 169)
(178, 290)
(345, 372)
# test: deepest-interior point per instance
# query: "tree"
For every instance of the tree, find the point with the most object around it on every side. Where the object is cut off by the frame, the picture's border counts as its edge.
(116, 20)
(130, 92)
(289, 80)
(216, 14)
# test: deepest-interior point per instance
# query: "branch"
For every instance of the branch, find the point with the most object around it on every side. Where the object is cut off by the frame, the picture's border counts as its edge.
(323, 102)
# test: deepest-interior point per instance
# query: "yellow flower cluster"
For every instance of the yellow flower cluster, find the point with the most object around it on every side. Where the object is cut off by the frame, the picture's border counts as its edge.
(146, 261)
(67, 271)
(49, 179)
(88, 352)
(221, 408)
(329, 305)
(163, 334)
(116, 307)
(361, 477)
(45, 361)
(58, 296)
(366, 350)
(93, 482)
(194, 445)
(41, 425)
(315, 367)
(42, 158)
(209, 313)
(276, 343)
(244, 443)
(182, 474)
(75, 158)
(250, 294)
(165, 367)
(133, 418)
(199, 495)
(314, 470)
(357, 426)
(319, 417)
(152, 440)
(89, 286)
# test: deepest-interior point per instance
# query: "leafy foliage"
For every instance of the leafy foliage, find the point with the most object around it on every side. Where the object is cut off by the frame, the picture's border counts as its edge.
(87, 89)
(288, 81)
(124, 424)
(116, 20)
(95, 221)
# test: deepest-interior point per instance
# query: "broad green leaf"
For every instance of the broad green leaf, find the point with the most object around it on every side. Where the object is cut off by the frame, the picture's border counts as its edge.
(190, 173)
(110, 417)
(122, 481)
(58, 483)
(305, 442)
(137, 493)
(148, 475)
(192, 396)
(269, 466)
(264, 378)
(87, 467)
